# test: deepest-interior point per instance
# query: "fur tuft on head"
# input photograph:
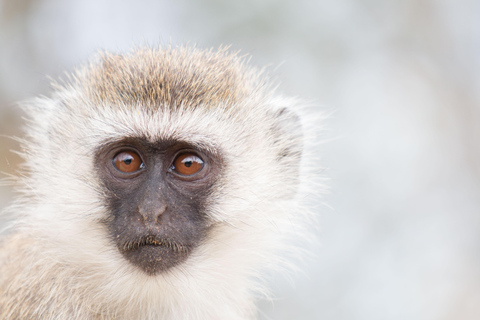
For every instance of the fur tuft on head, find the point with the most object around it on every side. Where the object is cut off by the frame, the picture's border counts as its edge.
(167, 76)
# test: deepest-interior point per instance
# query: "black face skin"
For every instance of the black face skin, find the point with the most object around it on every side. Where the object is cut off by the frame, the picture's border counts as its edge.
(157, 214)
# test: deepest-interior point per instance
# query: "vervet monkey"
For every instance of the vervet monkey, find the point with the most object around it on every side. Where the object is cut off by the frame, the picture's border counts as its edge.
(159, 184)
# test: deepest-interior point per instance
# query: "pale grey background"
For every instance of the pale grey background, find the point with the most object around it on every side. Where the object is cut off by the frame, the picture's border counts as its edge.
(401, 79)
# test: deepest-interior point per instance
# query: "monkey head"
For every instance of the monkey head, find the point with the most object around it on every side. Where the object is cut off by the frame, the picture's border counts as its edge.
(168, 148)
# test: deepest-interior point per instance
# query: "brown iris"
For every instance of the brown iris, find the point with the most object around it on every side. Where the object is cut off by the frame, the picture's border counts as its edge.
(128, 161)
(188, 164)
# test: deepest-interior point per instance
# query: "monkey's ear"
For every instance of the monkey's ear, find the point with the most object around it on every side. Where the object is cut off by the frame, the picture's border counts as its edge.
(288, 135)
(288, 139)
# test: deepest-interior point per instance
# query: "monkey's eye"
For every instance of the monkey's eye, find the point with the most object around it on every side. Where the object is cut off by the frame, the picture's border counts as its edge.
(128, 161)
(187, 164)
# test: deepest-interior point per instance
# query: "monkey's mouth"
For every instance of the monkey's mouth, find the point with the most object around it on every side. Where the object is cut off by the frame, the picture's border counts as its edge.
(154, 242)
(153, 254)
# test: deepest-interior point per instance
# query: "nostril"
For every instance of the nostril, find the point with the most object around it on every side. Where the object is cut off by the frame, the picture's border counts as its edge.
(159, 211)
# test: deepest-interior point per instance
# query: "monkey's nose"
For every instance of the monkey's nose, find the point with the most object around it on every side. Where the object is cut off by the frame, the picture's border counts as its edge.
(151, 212)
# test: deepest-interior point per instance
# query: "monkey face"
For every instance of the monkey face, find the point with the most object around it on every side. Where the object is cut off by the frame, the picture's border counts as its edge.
(156, 194)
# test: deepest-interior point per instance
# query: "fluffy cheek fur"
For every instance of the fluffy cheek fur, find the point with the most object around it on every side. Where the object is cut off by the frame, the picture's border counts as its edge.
(256, 223)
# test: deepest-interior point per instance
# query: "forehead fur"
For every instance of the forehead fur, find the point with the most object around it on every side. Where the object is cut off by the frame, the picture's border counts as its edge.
(167, 76)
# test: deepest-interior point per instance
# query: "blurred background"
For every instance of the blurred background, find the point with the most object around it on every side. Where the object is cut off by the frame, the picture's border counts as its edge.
(400, 231)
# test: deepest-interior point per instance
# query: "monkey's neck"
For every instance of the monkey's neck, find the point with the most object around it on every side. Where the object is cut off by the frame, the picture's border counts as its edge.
(34, 285)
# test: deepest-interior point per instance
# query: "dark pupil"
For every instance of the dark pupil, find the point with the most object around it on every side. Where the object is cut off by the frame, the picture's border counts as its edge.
(188, 164)
(128, 161)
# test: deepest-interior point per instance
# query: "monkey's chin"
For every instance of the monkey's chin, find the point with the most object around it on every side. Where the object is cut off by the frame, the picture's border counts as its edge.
(153, 259)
